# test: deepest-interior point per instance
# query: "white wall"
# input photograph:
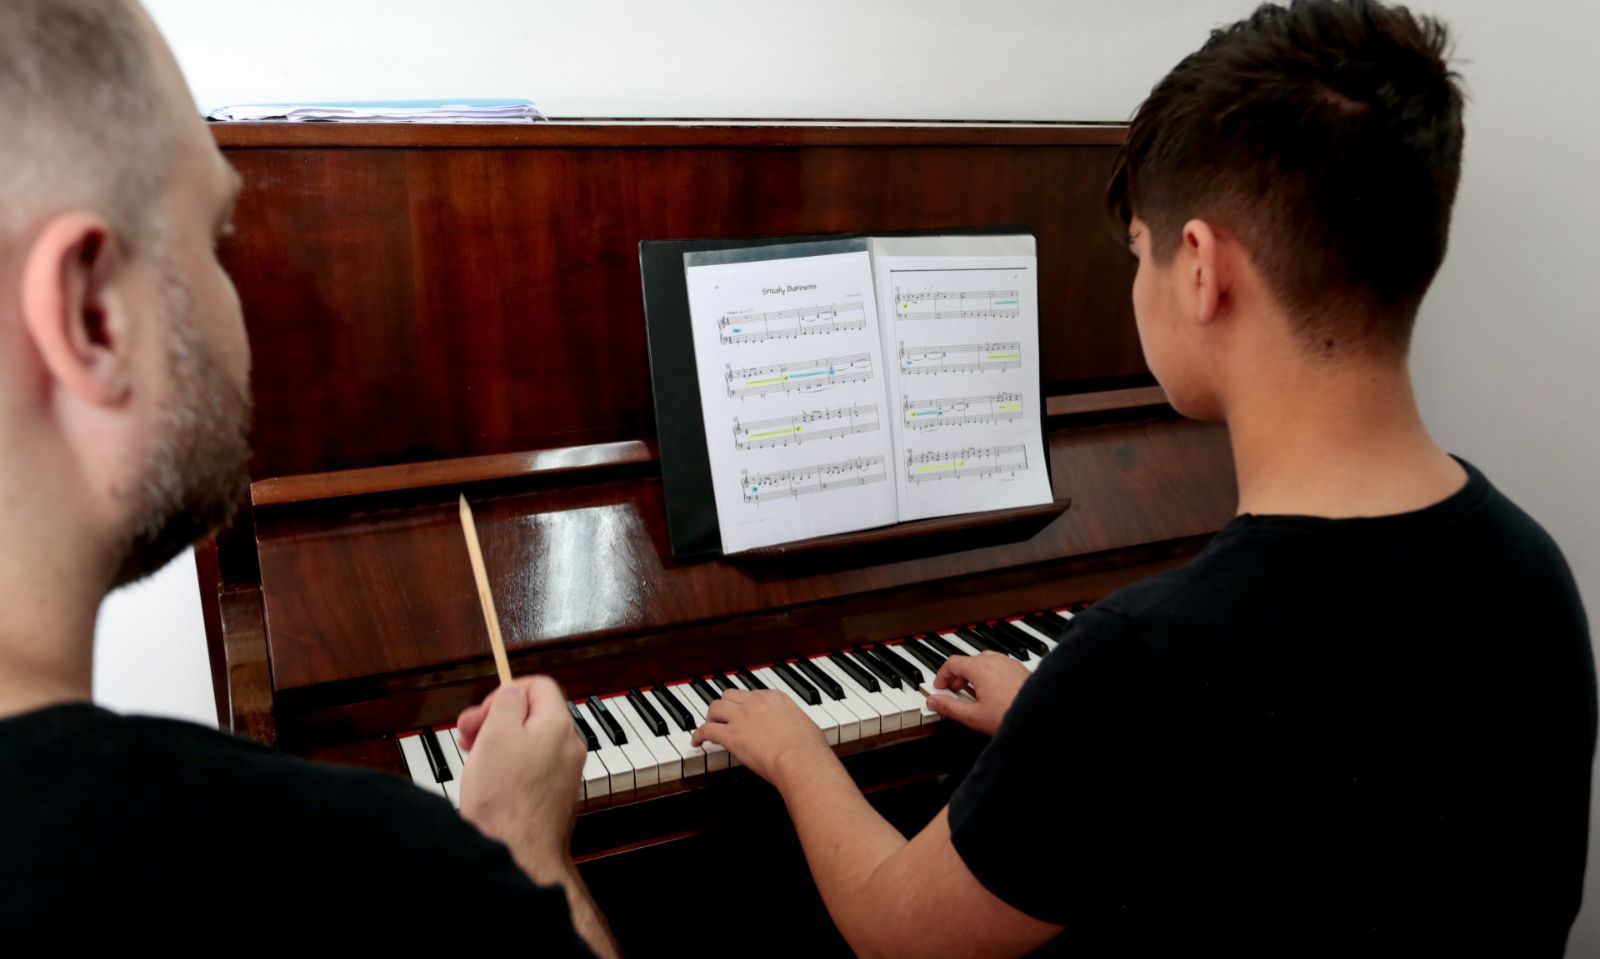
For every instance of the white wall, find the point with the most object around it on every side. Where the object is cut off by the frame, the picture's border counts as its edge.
(1507, 341)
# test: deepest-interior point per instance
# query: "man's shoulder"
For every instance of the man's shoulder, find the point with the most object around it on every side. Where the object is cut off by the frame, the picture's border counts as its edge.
(171, 777)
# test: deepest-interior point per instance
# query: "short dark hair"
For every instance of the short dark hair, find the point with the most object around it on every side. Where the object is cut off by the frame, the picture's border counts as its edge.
(1327, 135)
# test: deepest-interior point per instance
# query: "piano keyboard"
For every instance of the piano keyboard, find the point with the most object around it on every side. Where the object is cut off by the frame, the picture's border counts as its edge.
(641, 737)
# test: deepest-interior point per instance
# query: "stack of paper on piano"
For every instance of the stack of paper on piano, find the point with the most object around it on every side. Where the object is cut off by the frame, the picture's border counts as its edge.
(857, 383)
(388, 111)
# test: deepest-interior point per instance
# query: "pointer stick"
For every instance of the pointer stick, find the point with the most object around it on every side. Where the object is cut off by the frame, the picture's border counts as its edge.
(486, 598)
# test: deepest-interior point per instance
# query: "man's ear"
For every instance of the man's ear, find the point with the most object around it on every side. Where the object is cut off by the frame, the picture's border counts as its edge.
(1206, 267)
(71, 310)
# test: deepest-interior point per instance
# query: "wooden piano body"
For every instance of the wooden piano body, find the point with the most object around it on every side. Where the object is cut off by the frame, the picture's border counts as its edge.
(435, 310)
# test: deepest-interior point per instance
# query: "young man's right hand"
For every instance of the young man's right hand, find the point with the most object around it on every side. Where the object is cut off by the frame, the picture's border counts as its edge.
(523, 772)
(992, 677)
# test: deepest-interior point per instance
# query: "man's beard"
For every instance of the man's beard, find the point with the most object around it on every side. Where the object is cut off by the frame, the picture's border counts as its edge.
(198, 474)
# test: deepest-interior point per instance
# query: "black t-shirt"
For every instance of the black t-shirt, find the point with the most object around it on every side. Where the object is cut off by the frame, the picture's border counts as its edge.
(1320, 737)
(128, 835)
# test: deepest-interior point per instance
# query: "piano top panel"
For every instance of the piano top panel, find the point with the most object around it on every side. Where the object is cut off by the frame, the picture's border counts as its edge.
(419, 293)
(584, 562)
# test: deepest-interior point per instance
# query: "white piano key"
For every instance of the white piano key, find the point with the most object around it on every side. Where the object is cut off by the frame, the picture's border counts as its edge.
(417, 764)
(452, 758)
(1030, 664)
(596, 778)
(848, 722)
(611, 756)
(452, 754)
(868, 719)
(694, 758)
(967, 649)
(732, 759)
(925, 714)
(891, 715)
(876, 716)
(646, 767)
(1065, 614)
(455, 737)
(820, 716)
(1041, 637)
(716, 756)
(669, 765)
(909, 701)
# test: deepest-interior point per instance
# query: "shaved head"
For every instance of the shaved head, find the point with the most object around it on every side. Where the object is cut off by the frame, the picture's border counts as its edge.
(87, 121)
(113, 198)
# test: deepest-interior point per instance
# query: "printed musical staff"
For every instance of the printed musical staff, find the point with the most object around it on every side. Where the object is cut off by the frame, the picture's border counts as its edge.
(806, 375)
(956, 305)
(974, 461)
(823, 424)
(968, 358)
(805, 480)
(792, 324)
(927, 415)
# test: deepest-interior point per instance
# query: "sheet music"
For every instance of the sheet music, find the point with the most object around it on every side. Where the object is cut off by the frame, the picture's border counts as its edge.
(961, 340)
(791, 374)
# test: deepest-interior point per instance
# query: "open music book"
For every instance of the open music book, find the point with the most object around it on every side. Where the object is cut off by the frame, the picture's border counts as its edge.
(856, 383)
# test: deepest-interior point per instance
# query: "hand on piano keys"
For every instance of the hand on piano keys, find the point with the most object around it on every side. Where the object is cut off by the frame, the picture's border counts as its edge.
(642, 737)
(993, 677)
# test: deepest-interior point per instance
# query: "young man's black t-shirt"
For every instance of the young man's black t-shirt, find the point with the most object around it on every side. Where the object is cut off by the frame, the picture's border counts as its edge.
(126, 835)
(1321, 737)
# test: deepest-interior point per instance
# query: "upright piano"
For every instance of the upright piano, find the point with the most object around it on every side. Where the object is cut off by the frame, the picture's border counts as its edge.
(438, 310)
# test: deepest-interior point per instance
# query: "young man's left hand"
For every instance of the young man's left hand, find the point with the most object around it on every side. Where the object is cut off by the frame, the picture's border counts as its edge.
(766, 731)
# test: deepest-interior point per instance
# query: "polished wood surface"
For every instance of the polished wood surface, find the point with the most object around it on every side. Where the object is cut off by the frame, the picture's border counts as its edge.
(576, 562)
(477, 292)
(439, 310)
(283, 490)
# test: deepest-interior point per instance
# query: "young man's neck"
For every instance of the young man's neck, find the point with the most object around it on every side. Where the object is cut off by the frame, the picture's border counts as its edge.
(1335, 438)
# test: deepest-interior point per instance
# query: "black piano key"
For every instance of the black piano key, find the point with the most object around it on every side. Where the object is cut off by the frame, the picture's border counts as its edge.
(1006, 645)
(853, 669)
(748, 681)
(880, 669)
(973, 639)
(926, 654)
(608, 722)
(724, 683)
(583, 727)
(1050, 624)
(808, 693)
(435, 753)
(1020, 635)
(647, 712)
(942, 646)
(707, 693)
(902, 664)
(679, 713)
(821, 679)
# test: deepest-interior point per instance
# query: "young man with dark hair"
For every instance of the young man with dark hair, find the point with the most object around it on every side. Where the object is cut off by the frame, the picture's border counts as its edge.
(1361, 721)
